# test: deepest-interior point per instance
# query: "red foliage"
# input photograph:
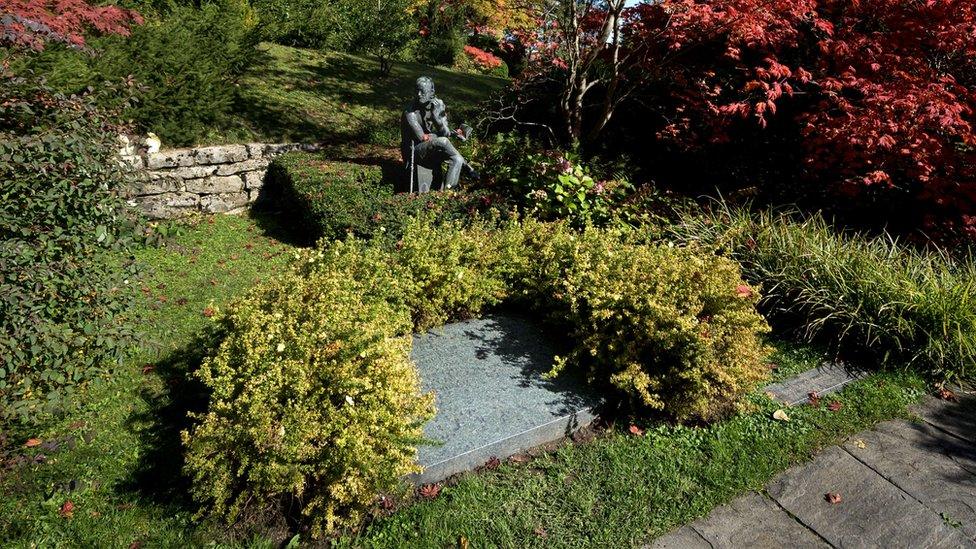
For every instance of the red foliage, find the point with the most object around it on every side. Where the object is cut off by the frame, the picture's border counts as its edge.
(482, 57)
(882, 92)
(32, 23)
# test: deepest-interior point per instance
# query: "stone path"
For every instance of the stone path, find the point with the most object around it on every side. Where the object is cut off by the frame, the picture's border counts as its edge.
(902, 484)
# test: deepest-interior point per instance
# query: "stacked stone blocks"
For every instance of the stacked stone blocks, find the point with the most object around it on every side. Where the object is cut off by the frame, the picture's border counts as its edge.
(219, 179)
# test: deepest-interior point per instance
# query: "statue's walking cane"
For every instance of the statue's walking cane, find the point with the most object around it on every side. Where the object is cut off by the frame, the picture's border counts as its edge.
(412, 169)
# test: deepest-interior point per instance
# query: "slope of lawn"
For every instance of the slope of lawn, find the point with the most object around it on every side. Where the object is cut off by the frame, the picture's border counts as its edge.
(294, 94)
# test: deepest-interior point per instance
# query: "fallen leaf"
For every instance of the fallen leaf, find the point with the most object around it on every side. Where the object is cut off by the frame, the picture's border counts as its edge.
(148, 368)
(832, 497)
(947, 395)
(858, 443)
(32, 442)
(540, 532)
(813, 398)
(386, 503)
(430, 491)
(780, 415)
(181, 301)
(135, 545)
(208, 312)
(636, 431)
(835, 405)
(492, 463)
(67, 509)
(743, 291)
(518, 458)
(462, 542)
(163, 299)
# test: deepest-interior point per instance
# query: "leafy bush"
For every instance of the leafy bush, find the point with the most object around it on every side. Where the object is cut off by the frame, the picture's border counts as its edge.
(477, 60)
(875, 296)
(549, 183)
(672, 329)
(315, 404)
(62, 221)
(185, 60)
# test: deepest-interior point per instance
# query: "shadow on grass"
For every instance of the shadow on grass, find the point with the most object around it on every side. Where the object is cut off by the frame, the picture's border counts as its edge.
(158, 477)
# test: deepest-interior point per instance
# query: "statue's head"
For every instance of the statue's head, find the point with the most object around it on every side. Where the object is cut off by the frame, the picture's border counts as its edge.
(425, 90)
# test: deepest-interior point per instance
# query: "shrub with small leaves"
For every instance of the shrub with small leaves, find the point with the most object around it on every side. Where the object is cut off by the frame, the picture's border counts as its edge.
(672, 329)
(315, 404)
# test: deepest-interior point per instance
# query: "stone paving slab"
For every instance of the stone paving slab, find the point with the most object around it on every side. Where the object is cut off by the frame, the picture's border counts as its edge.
(935, 468)
(685, 537)
(754, 521)
(873, 513)
(491, 398)
(958, 418)
(824, 379)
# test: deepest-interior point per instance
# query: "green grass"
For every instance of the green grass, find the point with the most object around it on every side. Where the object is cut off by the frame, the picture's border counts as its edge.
(620, 490)
(791, 358)
(294, 94)
(122, 475)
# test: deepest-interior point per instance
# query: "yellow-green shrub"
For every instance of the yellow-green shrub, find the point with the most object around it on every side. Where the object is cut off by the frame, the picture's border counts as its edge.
(452, 272)
(315, 404)
(674, 329)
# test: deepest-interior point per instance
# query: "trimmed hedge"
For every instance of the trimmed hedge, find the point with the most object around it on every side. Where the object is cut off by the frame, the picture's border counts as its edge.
(316, 405)
(332, 199)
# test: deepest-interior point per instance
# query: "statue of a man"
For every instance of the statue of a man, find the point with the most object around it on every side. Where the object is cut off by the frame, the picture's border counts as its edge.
(425, 138)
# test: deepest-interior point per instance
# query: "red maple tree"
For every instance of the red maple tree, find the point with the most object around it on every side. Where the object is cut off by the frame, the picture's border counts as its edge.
(876, 96)
(30, 24)
(882, 92)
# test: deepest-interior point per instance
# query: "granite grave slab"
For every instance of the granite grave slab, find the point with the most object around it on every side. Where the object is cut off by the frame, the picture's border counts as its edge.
(491, 397)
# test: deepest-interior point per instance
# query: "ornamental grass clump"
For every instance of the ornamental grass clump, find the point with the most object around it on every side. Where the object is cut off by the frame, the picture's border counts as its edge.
(893, 303)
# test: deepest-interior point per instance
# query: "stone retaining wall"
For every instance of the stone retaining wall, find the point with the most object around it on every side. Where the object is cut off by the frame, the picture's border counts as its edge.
(220, 179)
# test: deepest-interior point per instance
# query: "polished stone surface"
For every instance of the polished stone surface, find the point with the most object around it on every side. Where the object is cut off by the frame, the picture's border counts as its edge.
(491, 397)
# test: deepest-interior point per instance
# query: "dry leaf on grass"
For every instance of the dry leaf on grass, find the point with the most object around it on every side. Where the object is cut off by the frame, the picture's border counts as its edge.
(835, 406)
(430, 491)
(635, 430)
(780, 415)
(832, 498)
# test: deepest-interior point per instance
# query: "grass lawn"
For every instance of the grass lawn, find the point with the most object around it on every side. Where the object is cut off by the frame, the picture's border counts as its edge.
(117, 459)
(295, 94)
